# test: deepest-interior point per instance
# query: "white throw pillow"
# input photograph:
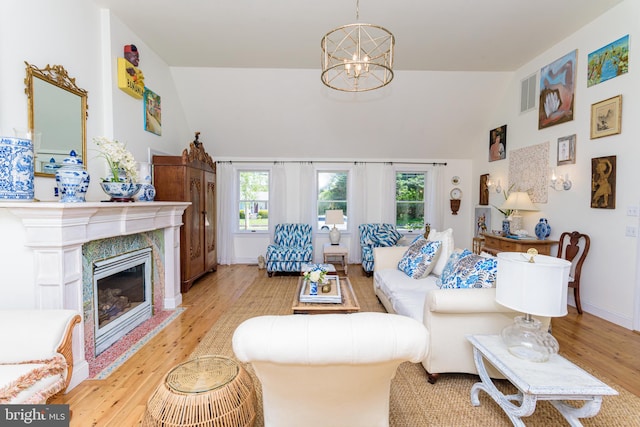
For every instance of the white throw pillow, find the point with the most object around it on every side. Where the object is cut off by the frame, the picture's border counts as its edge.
(446, 249)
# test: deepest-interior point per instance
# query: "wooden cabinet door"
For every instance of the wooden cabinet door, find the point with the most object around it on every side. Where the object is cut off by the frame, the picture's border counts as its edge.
(193, 232)
(210, 221)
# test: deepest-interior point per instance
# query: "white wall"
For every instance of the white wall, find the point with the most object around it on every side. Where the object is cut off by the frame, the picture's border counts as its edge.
(609, 273)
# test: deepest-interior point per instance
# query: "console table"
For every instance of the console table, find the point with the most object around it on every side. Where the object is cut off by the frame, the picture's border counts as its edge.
(556, 380)
(494, 244)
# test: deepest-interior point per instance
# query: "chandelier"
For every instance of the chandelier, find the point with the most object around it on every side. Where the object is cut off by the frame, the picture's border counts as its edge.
(357, 57)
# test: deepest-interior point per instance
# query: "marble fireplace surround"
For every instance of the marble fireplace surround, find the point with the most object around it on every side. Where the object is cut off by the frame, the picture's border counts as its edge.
(54, 233)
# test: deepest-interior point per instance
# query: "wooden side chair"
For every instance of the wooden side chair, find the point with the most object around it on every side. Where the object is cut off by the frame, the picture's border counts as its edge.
(574, 247)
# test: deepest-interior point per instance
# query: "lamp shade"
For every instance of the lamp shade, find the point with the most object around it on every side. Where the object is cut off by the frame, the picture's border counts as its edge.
(520, 201)
(538, 288)
(334, 216)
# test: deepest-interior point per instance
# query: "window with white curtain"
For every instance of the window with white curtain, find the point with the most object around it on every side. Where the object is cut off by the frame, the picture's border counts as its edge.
(332, 188)
(410, 200)
(253, 198)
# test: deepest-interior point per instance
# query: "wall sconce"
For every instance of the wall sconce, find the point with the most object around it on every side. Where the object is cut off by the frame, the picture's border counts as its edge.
(560, 183)
(496, 186)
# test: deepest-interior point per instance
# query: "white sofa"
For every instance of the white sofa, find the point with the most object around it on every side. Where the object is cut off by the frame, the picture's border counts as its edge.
(448, 314)
(328, 369)
(36, 360)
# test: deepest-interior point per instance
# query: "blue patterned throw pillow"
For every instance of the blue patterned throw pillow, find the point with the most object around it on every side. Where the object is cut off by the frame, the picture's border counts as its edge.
(420, 258)
(469, 271)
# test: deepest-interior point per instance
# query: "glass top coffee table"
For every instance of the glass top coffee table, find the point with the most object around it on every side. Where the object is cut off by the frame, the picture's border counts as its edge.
(349, 302)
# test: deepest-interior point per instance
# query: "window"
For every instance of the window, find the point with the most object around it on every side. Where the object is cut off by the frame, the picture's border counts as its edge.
(332, 194)
(410, 200)
(253, 196)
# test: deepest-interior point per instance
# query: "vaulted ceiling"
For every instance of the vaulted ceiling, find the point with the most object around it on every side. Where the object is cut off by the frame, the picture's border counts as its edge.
(461, 35)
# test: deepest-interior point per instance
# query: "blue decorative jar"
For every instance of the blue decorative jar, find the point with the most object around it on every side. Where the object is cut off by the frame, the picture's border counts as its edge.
(313, 288)
(16, 169)
(72, 180)
(506, 227)
(147, 192)
(543, 229)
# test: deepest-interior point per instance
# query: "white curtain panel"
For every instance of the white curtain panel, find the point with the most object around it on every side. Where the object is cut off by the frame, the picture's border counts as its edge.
(277, 196)
(388, 214)
(308, 214)
(435, 202)
(227, 212)
(356, 209)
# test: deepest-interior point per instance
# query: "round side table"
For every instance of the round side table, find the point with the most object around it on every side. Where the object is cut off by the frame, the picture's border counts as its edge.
(205, 391)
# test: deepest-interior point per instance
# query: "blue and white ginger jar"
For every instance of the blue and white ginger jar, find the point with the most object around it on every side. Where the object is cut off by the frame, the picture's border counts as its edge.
(72, 180)
(543, 229)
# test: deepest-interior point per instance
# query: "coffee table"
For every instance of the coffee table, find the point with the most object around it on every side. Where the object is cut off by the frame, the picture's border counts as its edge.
(557, 380)
(349, 302)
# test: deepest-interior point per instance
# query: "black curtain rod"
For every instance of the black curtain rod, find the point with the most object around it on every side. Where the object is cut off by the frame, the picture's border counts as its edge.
(329, 161)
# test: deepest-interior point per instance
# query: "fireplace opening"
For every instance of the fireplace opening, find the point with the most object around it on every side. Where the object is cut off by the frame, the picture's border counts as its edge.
(122, 295)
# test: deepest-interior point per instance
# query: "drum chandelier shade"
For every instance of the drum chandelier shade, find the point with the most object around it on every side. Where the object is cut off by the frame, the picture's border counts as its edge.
(357, 57)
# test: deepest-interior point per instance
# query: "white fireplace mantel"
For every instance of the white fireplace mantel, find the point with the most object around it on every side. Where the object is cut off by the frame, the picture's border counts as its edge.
(54, 233)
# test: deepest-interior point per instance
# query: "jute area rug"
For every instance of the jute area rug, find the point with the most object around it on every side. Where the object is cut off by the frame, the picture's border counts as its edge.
(414, 402)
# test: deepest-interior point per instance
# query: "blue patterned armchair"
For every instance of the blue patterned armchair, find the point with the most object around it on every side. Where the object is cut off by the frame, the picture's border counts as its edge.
(373, 236)
(291, 248)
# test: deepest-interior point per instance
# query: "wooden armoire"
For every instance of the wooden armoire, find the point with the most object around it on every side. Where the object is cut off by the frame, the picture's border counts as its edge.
(191, 178)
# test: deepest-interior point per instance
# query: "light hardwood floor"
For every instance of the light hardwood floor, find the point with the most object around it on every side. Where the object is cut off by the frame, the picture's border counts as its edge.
(120, 399)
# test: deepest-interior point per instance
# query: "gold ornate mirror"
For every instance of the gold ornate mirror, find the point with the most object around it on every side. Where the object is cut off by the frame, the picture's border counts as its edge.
(57, 117)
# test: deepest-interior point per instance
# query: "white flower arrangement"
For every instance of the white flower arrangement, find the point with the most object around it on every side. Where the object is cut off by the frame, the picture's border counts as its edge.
(316, 274)
(118, 159)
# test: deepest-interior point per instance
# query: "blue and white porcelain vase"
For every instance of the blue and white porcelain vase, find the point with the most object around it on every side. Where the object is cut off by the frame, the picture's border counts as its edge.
(72, 180)
(313, 288)
(543, 229)
(16, 169)
(506, 227)
(147, 192)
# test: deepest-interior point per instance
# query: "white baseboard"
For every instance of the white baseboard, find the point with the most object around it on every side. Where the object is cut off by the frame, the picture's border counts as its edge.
(80, 373)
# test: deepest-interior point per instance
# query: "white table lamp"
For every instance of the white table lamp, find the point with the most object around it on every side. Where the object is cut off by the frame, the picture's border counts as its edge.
(535, 285)
(518, 201)
(334, 217)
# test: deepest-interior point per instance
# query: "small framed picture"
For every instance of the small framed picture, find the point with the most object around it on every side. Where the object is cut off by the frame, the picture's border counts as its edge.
(606, 117)
(603, 182)
(483, 221)
(152, 112)
(567, 150)
(498, 143)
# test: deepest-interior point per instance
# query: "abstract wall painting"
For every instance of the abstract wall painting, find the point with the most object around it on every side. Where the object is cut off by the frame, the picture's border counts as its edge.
(608, 62)
(557, 91)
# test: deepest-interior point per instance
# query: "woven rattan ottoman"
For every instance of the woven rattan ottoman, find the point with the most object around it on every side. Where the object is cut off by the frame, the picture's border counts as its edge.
(205, 391)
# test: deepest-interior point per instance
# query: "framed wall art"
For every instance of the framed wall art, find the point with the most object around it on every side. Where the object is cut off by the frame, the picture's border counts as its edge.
(484, 190)
(152, 112)
(608, 62)
(603, 182)
(557, 91)
(606, 117)
(483, 221)
(567, 150)
(498, 143)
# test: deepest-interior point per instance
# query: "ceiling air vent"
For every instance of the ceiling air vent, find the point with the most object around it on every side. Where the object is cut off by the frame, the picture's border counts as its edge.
(528, 94)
